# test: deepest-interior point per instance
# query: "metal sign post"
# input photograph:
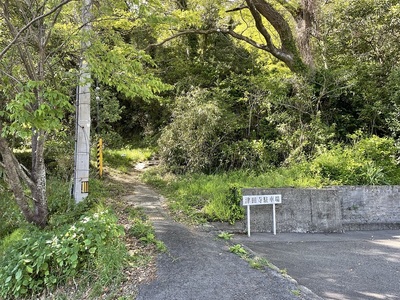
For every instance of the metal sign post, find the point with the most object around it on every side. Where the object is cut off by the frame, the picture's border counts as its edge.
(249, 200)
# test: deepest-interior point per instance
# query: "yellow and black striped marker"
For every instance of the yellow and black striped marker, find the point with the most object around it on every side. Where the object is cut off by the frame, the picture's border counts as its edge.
(100, 157)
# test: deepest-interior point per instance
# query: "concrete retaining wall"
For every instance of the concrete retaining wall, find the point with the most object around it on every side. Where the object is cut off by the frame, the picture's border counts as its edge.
(328, 210)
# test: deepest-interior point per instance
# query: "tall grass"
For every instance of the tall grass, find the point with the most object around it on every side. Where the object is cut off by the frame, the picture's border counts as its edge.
(200, 197)
(123, 159)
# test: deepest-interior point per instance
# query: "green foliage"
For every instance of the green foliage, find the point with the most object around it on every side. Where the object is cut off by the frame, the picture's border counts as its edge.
(10, 216)
(60, 205)
(244, 154)
(106, 111)
(227, 207)
(255, 262)
(294, 115)
(225, 236)
(45, 259)
(132, 79)
(260, 263)
(200, 197)
(12, 238)
(26, 112)
(393, 87)
(123, 159)
(187, 194)
(190, 142)
(360, 63)
(59, 157)
(143, 230)
(62, 208)
(59, 196)
(369, 161)
(108, 265)
(238, 250)
(296, 292)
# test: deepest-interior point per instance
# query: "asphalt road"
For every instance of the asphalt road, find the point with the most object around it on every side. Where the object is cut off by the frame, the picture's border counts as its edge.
(349, 266)
(200, 266)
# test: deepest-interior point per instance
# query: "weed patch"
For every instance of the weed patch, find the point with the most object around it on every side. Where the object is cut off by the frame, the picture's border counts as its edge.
(144, 231)
(43, 259)
(123, 159)
(238, 250)
(199, 198)
(225, 236)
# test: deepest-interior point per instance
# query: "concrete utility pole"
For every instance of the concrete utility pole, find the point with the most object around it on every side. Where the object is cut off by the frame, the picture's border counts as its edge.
(82, 125)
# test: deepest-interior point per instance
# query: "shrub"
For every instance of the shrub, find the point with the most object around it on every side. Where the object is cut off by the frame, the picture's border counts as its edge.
(12, 238)
(370, 160)
(10, 216)
(226, 207)
(59, 158)
(43, 259)
(244, 154)
(59, 196)
(190, 142)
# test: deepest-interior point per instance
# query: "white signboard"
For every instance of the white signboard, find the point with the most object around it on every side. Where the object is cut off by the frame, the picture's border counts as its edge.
(262, 199)
(249, 200)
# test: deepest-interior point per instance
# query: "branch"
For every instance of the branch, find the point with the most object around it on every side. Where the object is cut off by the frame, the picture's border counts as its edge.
(259, 24)
(10, 76)
(47, 38)
(14, 171)
(16, 37)
(189, 31)
(248, 40)
(237, 8)
(281, 26)
(211, 31)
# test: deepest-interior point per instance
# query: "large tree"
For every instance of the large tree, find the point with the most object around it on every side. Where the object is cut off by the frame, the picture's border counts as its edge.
(32, 99)
(40, 44)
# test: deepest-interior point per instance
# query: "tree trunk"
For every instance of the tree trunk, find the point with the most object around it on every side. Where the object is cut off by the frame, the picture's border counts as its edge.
(305, 25)
(39, 178)
(34, 209)
(294, 47)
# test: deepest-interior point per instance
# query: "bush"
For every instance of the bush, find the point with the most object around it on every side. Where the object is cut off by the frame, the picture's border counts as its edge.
(10, 216)
(44, 259)
(59, 158)
(12, 238)
(201, 197)
(59, 196)
(369, 161)
(244, 154)
(226, 207)
(191, 142)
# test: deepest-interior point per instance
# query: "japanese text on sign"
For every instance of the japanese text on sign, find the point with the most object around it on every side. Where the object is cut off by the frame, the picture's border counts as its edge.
(262, 199)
